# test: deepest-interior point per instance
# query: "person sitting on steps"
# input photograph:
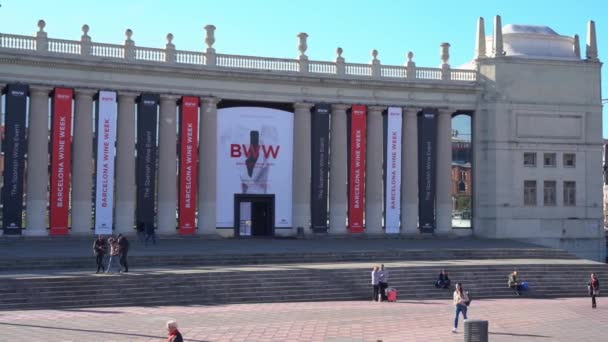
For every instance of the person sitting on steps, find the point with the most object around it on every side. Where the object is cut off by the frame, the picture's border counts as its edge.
(443, 280)
(514, 283)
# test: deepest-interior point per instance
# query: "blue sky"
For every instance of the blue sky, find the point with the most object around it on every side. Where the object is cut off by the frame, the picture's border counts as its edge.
(269, 27)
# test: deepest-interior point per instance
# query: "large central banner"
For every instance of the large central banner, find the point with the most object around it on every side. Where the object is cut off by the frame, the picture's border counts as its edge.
(427, 147)
(147, 118)
(320, 167)
(392, 171)
(14, 149)
(107, 110)
(61, 140)
(188, 161)
(254, 156)
(356, 174)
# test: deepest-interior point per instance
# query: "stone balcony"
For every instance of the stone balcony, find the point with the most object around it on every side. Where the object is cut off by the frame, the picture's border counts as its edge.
(85, 50)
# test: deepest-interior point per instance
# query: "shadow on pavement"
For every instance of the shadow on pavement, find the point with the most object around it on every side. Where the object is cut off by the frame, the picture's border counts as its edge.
(89, 330)
(519, 335)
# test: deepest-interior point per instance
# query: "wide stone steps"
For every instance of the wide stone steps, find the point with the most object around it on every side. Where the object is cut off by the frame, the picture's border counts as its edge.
(280, 283)
(140, 261)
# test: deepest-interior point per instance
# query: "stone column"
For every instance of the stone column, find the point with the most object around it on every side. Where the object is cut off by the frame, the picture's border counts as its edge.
(338, 201)
(2, 86)
(37, 162)
(409, 176)
(373, 172)
(167, 166)
(301, 165)
(443, 209)
(82, 167)
(207, 155)
(125, 163)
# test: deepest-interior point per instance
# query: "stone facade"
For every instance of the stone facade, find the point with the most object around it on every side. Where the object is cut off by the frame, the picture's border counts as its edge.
(521, 100)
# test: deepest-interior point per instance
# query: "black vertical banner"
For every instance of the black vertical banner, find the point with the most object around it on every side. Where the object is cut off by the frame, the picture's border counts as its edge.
(319, 167)
(147, 118)
(14, 149)
(427, 159)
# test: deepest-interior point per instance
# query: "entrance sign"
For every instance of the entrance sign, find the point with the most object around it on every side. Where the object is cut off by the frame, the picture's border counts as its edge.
(254, 156)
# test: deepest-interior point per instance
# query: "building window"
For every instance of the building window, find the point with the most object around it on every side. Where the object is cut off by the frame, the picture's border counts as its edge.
(549, 159)
(569, 193)
(530, 159)
(569, 160)
(529, 192)
(549, 191)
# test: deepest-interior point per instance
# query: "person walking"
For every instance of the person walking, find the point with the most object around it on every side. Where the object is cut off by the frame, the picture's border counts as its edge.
(375, 282)
(460, 302)
(383, 282)
(173, 335)
(594, 289)
(99, 249)
(113, 254)
(123, 250)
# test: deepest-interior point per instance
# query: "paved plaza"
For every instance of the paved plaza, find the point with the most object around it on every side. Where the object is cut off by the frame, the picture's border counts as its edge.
(517, 319)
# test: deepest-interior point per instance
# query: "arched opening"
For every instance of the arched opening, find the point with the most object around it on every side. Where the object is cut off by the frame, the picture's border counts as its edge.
(462, 171)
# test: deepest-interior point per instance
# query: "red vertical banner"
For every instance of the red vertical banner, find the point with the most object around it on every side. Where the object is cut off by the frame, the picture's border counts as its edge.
(356, 174)
(188, 171)
(61, 160)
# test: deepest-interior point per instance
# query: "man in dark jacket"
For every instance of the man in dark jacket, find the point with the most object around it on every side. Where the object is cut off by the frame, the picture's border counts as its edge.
(99, 249)
(123, 250)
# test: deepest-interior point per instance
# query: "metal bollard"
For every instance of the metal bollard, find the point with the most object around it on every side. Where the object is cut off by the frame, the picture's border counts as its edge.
(475, 330)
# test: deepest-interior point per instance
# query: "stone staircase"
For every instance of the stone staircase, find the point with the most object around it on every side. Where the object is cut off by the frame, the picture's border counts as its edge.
(291, 277)
(218, 259)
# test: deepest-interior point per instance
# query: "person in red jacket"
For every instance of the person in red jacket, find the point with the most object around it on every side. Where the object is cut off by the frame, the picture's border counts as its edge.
(594, 289)
(173, 334)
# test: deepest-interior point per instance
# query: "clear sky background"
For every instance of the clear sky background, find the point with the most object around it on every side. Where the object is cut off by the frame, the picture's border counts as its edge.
(269, 27)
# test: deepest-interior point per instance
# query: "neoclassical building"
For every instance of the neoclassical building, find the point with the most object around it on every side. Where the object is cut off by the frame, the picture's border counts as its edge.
(104, 138)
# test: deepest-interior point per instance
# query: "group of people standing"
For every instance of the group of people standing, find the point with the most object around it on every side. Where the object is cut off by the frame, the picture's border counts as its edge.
(116, 249)
(379, 283)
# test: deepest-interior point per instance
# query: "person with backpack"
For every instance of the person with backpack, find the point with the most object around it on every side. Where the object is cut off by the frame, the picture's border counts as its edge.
(594, 289)
(461, 302)
(514, 283)
(123, 250)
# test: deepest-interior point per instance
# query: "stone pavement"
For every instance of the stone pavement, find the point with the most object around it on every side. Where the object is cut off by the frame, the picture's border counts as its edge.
(517, 319)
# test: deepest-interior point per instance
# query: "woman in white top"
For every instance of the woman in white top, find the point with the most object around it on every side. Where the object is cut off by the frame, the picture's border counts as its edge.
(460, 300)
(376, 282)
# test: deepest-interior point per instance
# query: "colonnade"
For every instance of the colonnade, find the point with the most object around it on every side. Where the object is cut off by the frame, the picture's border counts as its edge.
(125, 190)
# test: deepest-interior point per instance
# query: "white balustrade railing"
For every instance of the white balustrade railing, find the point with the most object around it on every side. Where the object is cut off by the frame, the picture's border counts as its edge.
(320, 67)
(463, 75)
(257, 63)
(428, 74)
(107, 50)
(149, 54)
(392, 71)
(12, 41)
(356, 69)
(64, 46)
(189, 57)
(73, 47)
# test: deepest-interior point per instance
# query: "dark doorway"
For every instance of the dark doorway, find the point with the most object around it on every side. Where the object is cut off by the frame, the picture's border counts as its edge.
(254, 215)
